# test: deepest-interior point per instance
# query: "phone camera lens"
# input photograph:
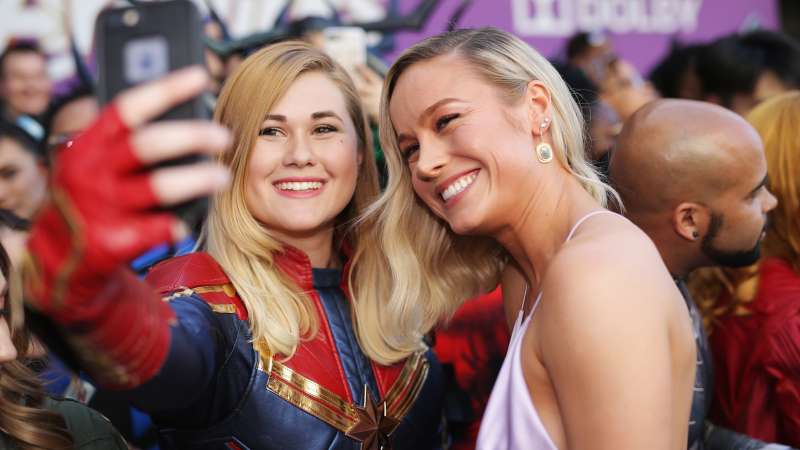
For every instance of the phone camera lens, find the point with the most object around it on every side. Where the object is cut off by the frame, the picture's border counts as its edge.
(130, 17)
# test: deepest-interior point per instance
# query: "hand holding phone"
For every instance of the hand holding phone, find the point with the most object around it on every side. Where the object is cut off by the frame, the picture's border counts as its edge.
(143, 43)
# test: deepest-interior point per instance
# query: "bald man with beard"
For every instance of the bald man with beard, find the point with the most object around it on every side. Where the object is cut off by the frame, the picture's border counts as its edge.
(693, 176)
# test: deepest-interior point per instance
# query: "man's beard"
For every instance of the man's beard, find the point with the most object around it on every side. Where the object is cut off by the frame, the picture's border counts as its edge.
(725, 258)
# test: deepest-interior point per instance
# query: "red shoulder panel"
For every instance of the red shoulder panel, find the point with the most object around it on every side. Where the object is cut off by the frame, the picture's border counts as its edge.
(201, 273)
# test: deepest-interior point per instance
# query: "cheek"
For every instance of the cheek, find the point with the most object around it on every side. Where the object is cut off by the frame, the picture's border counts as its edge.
(263, 161)
(8, 352)
(341, 159)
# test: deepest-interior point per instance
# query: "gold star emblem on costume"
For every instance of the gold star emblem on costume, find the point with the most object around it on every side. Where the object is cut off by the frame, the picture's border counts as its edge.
(374, 426)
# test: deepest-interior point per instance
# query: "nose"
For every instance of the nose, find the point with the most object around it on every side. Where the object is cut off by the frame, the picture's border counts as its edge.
(8, 352)
(431, 159)
(6, 198)
(299, 153)
(770, 203)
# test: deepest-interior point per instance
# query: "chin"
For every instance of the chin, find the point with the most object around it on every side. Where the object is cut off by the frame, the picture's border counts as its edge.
(466, 226)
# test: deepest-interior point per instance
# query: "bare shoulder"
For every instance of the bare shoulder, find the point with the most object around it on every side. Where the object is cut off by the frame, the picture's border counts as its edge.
(610, 268)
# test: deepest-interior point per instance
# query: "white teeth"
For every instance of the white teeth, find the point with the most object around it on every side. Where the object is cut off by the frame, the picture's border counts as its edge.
(458, 186)
(299, 186)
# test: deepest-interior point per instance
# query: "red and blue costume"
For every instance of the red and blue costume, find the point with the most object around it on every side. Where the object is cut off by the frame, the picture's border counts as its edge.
(180, 343)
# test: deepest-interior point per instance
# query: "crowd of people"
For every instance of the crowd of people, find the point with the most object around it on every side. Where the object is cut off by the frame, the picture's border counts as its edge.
(478, 248)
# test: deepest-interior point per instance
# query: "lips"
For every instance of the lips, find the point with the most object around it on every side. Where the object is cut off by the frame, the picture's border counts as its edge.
(456, 185)
(299, 187)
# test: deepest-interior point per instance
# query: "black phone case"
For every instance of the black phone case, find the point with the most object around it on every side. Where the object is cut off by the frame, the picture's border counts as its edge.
(178, 21)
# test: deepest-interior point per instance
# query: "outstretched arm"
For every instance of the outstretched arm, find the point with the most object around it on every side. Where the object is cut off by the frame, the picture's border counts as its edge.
(102, 214)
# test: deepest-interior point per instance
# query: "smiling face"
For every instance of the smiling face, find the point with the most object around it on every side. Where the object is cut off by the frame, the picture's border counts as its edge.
(25, 83)
(468, 148)
(23, 180)
(302, 171)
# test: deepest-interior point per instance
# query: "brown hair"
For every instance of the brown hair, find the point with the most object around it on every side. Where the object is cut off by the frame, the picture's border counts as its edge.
(23, 418)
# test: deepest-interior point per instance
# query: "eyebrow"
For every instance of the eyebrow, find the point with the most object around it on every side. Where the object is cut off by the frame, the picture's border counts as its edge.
(315, 116)
(325, 114)
(428, 111)
(760, 185)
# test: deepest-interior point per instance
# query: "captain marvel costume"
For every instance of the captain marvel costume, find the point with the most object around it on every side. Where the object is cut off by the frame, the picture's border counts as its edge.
(180, 343)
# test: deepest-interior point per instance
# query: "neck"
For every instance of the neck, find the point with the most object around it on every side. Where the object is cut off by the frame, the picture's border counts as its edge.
(317, 245)
(541, 224)
(679, 256)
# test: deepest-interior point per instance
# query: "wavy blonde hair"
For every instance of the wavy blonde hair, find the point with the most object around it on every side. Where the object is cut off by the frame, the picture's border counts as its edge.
(431, 269)
(776, 123)
(278, 311)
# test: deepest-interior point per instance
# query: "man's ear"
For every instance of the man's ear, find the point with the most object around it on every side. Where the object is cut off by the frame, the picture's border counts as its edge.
(691, 220)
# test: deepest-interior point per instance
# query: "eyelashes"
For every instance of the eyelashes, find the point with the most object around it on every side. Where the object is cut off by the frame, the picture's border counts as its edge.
(441, 123)
(319, 129)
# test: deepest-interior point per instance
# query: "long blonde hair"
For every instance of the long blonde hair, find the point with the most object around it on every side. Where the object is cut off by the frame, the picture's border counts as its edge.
(776, 123)
(432, 269)
(278, 311)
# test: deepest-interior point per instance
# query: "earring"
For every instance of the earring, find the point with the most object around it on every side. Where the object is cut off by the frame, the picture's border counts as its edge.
(545, 123)
(544, 152)
(695, 235)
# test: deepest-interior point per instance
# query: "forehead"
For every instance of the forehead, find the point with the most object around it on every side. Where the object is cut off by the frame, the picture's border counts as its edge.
(747, 163)
(23, 60)
(426, 82)
(12, 151)
(311, 92)
(75, 116)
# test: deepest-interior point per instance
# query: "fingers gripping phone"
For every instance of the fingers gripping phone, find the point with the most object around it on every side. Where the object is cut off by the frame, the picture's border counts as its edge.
(346, 45)
(143, 43)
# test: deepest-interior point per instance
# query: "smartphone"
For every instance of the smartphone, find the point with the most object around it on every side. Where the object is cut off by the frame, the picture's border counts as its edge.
(346, 45)
(145, 42)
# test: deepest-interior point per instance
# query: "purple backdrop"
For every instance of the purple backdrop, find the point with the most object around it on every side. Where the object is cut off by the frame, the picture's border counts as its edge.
(640, 29)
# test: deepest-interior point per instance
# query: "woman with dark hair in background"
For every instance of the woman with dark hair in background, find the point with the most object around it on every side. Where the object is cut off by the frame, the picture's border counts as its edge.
(23, 171)
(29, 419)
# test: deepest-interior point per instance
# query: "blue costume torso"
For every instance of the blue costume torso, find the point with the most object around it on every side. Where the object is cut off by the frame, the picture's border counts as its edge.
(220, 390)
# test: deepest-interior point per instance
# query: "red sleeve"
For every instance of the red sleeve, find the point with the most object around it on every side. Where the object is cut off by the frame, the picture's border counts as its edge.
(784, 366)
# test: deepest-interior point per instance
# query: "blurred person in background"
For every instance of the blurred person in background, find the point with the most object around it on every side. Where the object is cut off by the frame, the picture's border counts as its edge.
(68, 115)
(675, 75)
(714, 215)
(754, 312)
(602, 122)
(23, 171)
(623, 88)
(29, 419)
(25, 87)
(740, 71)
(590, 52)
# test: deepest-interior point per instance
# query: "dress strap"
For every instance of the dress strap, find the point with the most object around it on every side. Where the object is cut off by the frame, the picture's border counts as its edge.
(583, 219)
(569, 236)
